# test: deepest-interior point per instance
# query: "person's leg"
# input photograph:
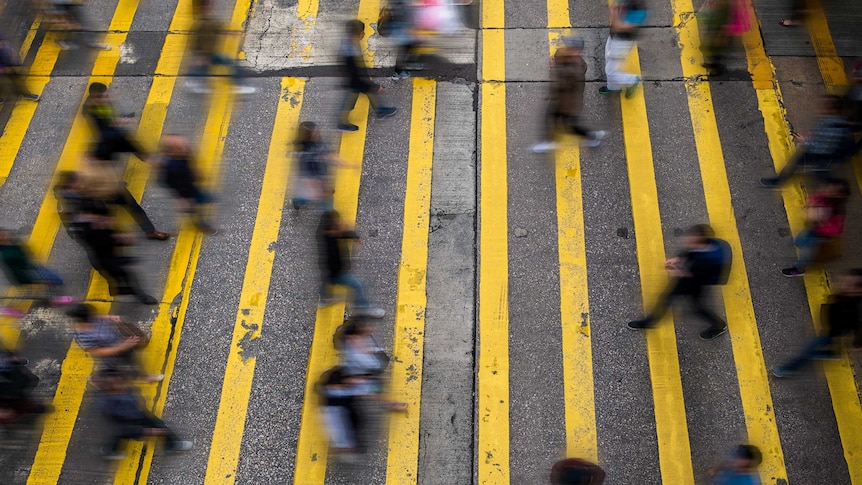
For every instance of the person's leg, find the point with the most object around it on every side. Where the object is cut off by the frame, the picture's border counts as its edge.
(811, 351)
(698, 295)
(807, 243)
(616, 52)
(375, 101)
(793, 165)
(127, 200)
(152, 422)
(573, 125)
(677, 287)
(347, 106)
(346, 278)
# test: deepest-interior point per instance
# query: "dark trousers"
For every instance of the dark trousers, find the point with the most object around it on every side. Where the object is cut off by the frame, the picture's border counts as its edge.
(121, 281)
(135, 431)
(570, 124)
(126, 200)
(350, 102)
(803, 162)
(818, 347)
(685, 287)
(404, 56)
(115, 142)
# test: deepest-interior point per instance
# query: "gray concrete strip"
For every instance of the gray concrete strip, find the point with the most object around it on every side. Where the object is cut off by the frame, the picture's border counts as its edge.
(446, 422)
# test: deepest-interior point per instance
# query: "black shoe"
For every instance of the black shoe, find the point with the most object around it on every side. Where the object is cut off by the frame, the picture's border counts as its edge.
(386, 112)
(30, 97)
(769, 182)
(347, 127)
(605, 90)
(640, 324)
(792, 272)
(712, 333)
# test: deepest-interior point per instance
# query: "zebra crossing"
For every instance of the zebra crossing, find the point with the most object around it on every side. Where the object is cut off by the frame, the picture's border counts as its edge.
(507, 277)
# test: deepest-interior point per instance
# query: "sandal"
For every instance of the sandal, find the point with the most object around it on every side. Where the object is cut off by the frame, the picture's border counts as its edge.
(789, 23)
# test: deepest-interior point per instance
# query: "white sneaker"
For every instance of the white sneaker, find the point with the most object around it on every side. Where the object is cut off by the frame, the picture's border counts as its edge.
(196, 87)
(99, 46)
(544, 147)
(244, 90)
(178, 446)
(371, 311)
(596, 139)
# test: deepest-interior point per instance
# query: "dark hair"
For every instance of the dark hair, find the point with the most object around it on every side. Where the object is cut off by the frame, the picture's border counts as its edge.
(700, 230)
(328, 220)
(80, 312)
(354, 27)
(576, 476)
(306, 132)
(66, 178)
(97, 89)
(750, 453)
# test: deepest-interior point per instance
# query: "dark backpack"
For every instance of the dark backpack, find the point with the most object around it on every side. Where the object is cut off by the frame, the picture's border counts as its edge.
(720, 259)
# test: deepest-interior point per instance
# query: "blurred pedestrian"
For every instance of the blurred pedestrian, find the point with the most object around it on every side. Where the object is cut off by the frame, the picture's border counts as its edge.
(110, 340)
(74, 204)
(568, 76)
(114, 136)
(177, 174)
(714, 20)
(401, 29)
(829, 143)
(338, 392)
(335, 261)
(575, 471)
(798, 14)
(207, 34)
(362, 356)
(626, 17)
(11, 79)
(101, 182)
(703, 262)
(121, 404)
(16, 391)
(35, 280)
(840, 316)
(358, 80)
(105, 250)
(824, 224)
(66, 17)
(739, 469)
(315, 159)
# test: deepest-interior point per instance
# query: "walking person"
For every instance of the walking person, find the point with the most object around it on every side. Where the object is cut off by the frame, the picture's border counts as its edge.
(314, 180)
(401, 29)
(176, 173)
(11, 80)
(109, 340)
(824, 224)
(335, 260)
(358, 80)
(626, 17)
(207, 33)
(739, 469)
(566, 100)
(338, 392)
(16, 391)
(68, 19)
(703, 262)
(122, 405)
(363, 357)
(35, 280)
(714, 20)
(829, 143)
(840, 316)
(114, 136)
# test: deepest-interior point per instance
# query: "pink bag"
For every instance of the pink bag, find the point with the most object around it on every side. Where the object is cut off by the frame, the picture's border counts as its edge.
(740, 22)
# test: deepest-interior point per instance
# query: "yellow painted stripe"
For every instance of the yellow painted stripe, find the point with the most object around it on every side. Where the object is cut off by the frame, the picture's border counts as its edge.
(493, 360)
(672, 432)
(839, 375)
(748, 355)
(306, 12)
(578, 384)
(239, 370)
(369, 11)
(409, 339)
(831, 66)
(28, 39)
(313, 446)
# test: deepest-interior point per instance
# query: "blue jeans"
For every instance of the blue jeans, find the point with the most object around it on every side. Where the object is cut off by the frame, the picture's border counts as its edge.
(807, 242)
(347, 279)
(818, 347)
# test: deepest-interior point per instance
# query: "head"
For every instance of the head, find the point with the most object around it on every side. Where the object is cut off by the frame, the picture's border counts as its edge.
(850, 282)
(330, 221)
(355, 29)
(746, 457)
(174, 145)
(308, 133)
(697, 236)
(97, 92)
(81, 313)
(575, 476)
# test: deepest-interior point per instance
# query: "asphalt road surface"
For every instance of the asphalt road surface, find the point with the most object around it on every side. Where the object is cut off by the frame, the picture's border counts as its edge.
(507, 276)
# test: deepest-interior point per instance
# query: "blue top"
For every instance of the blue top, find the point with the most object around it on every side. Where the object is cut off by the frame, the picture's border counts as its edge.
(735, 477)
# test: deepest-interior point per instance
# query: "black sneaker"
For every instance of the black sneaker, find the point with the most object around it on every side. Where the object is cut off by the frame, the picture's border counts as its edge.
(146, 299)
(779, 371)
(605, 90)
(712, 333)
(347, 127)
(640, 324)
(769, 182)
(631, 90)
(386, 112)
(792, 272)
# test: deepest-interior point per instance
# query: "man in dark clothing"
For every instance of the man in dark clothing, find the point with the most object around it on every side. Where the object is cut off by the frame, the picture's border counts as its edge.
(335, 265)
(104, 250)
(839, 317)
(829, 143)
(10, 74)
(692, 272)
(176, 173)
(114, 138)
(358, 81)
(122, 405)
(567, 96)
(16, 385)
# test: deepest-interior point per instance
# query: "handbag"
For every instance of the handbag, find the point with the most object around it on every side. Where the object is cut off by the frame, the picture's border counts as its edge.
(129, 330)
